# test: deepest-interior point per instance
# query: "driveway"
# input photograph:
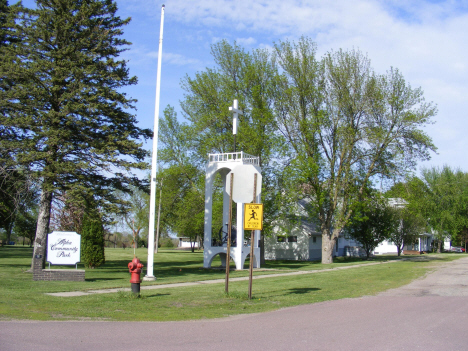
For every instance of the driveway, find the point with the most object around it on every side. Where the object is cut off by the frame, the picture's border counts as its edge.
(428, 314)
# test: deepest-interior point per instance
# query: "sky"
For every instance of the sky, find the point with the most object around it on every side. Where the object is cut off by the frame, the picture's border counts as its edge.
(426, 40)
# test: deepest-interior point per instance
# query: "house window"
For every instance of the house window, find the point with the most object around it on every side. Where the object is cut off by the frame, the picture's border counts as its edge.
(314, 239)
(281, 239)
(286, 239)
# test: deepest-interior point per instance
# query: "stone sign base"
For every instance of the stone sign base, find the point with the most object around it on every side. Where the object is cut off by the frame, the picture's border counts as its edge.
(75, 275)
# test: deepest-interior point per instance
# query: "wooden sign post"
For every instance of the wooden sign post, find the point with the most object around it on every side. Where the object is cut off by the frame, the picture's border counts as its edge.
(253, 219)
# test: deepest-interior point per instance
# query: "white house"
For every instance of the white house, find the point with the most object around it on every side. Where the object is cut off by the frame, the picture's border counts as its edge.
(387, 247)
(187, 243)
(303, 242)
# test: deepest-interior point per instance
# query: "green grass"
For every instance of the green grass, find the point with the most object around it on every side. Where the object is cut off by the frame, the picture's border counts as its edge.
(23, 298)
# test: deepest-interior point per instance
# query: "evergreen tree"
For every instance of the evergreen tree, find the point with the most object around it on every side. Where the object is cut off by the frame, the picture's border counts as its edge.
(92, 241)
(65, 114)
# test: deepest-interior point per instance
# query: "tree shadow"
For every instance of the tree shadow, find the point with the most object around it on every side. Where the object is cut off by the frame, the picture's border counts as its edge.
(302, 290)
(152, 296)
(291, 291)
(9, 251)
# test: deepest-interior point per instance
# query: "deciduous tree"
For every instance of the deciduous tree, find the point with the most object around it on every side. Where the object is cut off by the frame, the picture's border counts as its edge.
(406, 228)
(444, 202)
(345, 125)
(372, 222)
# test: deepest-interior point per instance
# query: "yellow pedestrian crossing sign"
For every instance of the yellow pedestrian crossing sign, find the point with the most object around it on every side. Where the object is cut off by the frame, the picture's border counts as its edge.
(253, 216)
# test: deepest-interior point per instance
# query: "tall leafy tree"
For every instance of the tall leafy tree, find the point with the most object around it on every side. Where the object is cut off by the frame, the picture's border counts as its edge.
(26, 221)
(372, 222)
(65, 114)
(345, 125)
(444, 202)
(134, 212)
(249, 77)
(182, 195)
(406, 228)
(18, 195)
(410, 219)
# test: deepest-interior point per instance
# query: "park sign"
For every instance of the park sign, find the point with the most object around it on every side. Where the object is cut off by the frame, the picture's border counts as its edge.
(253, 216)
(63, 248)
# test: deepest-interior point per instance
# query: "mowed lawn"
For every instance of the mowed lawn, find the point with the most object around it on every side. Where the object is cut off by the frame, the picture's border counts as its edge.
(23, 298)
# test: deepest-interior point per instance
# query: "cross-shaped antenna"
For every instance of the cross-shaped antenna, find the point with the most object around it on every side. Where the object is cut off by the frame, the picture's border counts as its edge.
(235, 111)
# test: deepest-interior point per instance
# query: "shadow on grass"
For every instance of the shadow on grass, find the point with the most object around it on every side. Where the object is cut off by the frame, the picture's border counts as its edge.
(424, 258)
(302, 290)
(16, 252)
(152, 296)
(291, 291)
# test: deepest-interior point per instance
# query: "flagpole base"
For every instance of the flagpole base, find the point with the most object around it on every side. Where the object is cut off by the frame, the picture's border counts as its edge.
(149, 278)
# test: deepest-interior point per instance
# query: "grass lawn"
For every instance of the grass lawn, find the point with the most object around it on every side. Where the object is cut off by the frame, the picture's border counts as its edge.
(23, 298)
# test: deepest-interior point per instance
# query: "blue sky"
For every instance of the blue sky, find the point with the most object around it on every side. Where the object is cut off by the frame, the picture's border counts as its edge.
(426, 40)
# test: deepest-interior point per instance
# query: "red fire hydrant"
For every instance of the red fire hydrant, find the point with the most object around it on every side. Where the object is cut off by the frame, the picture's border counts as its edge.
(134, 268)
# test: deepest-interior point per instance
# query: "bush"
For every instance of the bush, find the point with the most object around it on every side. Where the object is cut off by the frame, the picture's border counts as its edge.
(92, 241)
(166, 243)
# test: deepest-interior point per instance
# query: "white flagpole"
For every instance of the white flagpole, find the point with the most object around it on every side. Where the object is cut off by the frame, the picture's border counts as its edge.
(149, 273)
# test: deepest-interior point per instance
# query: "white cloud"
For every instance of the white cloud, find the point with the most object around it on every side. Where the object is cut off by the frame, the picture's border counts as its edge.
(426, 40)
(140, 56)
(174, 59)
(246, 41)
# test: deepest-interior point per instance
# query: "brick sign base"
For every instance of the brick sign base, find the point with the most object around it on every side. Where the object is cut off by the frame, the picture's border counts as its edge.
(75, 275)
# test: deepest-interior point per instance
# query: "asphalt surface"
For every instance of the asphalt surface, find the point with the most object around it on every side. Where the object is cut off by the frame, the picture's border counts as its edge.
(428, 314)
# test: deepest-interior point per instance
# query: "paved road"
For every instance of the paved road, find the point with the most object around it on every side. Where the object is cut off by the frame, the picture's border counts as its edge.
(428, 314)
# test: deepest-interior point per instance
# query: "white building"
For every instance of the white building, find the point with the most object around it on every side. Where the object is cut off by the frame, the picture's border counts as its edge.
(187, 243)
(303, 242)
(223, 164)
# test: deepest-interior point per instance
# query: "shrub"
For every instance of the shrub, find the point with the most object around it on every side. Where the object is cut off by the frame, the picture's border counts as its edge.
(166, 243)
(92, 241)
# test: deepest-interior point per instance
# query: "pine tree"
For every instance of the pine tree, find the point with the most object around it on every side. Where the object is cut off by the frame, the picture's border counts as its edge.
(64, 113)
(92, 241)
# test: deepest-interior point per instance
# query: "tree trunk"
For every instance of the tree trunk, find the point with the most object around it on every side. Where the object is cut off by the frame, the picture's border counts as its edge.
(328, 244)
(192, 244)
(42, 227)
(156, 242)
(200, 242)
(262, 250)
(439, 246)
(9, 230)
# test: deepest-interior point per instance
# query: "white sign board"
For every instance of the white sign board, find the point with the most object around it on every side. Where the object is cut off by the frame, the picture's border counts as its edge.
(63, 248)
(242, 189)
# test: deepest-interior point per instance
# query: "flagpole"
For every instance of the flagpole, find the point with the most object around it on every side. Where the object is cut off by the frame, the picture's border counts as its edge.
(150, 269)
